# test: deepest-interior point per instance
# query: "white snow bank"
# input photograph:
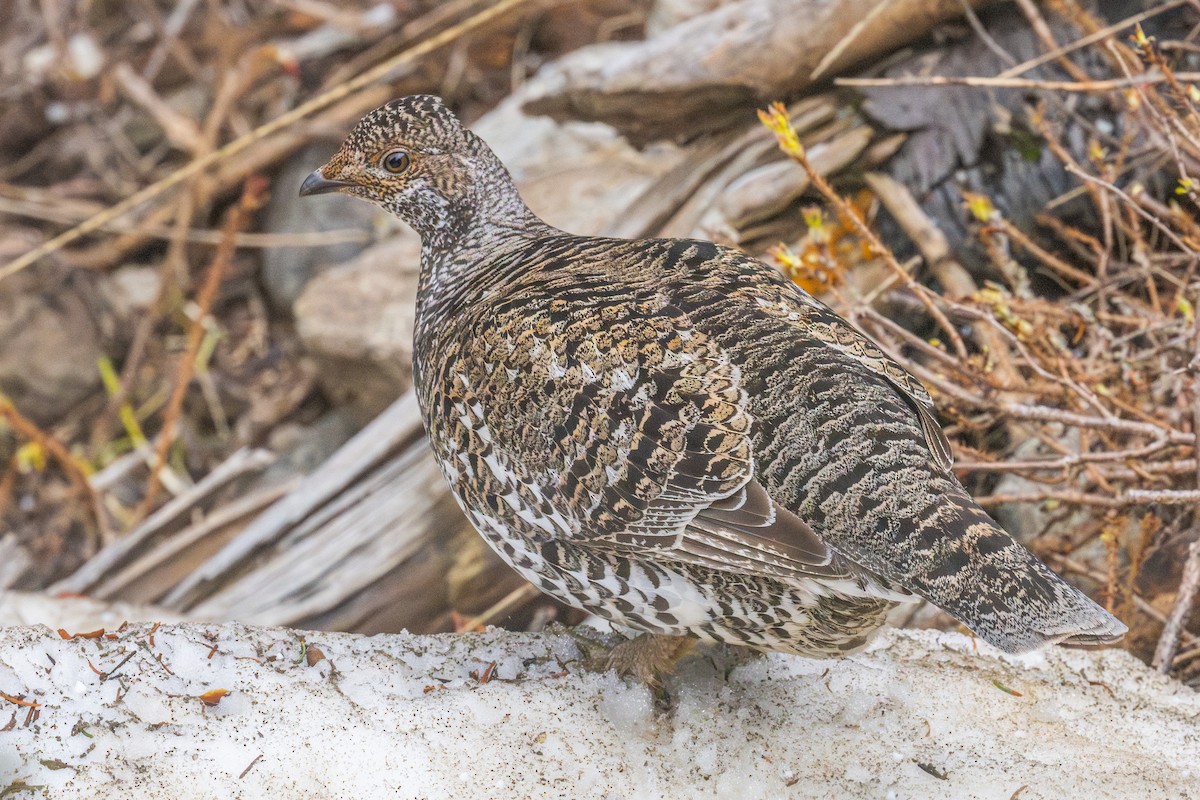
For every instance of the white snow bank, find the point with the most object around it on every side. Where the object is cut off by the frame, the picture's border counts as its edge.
(919, 715)
(76, 613)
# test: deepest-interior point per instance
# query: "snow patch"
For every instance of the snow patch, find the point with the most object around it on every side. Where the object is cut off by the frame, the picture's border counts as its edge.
(916, 715)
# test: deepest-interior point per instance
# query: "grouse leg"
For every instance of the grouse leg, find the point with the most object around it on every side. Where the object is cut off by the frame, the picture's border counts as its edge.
(649, 656)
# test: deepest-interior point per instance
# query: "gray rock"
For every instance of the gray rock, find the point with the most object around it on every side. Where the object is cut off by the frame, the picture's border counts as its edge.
(357, 323)
(127, 294)
(303, 448)
(51, 338)
(49, 345)
(287, 270)
(1045, 521)
(16, 563)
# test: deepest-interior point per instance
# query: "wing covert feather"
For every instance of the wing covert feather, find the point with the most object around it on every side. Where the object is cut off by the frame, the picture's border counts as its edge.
(646, 437)
(819, 321)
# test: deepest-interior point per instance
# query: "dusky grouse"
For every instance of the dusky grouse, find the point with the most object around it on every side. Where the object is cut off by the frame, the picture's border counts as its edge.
(669, 434)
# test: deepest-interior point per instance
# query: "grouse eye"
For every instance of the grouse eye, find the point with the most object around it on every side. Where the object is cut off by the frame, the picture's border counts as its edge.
(396, 161)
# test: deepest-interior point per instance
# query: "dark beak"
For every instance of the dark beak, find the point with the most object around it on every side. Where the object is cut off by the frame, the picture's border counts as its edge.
(317, 183)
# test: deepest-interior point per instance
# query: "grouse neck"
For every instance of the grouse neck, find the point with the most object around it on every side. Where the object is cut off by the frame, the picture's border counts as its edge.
(492, 214)
(467, 257)
(492, 221)
(459, 271)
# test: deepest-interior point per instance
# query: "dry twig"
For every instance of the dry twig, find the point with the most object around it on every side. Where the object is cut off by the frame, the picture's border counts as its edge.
(1164, 654)
(252, 198)
(378, 73)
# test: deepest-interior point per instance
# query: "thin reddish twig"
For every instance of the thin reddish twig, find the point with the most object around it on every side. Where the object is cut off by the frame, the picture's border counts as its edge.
(253, 195)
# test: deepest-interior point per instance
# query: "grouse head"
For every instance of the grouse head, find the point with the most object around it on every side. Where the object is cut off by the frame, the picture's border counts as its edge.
(414, 158)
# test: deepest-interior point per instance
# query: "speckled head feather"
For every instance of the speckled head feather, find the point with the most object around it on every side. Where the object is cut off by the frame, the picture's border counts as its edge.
(441, 178)
(420, 122)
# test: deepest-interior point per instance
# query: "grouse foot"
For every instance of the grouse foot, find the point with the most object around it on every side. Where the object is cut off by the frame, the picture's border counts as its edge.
(649, 657)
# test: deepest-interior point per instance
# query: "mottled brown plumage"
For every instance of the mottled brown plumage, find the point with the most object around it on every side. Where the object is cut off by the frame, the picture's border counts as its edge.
(669, 434)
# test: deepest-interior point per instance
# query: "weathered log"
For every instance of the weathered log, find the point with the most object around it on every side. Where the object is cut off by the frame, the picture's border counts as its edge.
(706, 72)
